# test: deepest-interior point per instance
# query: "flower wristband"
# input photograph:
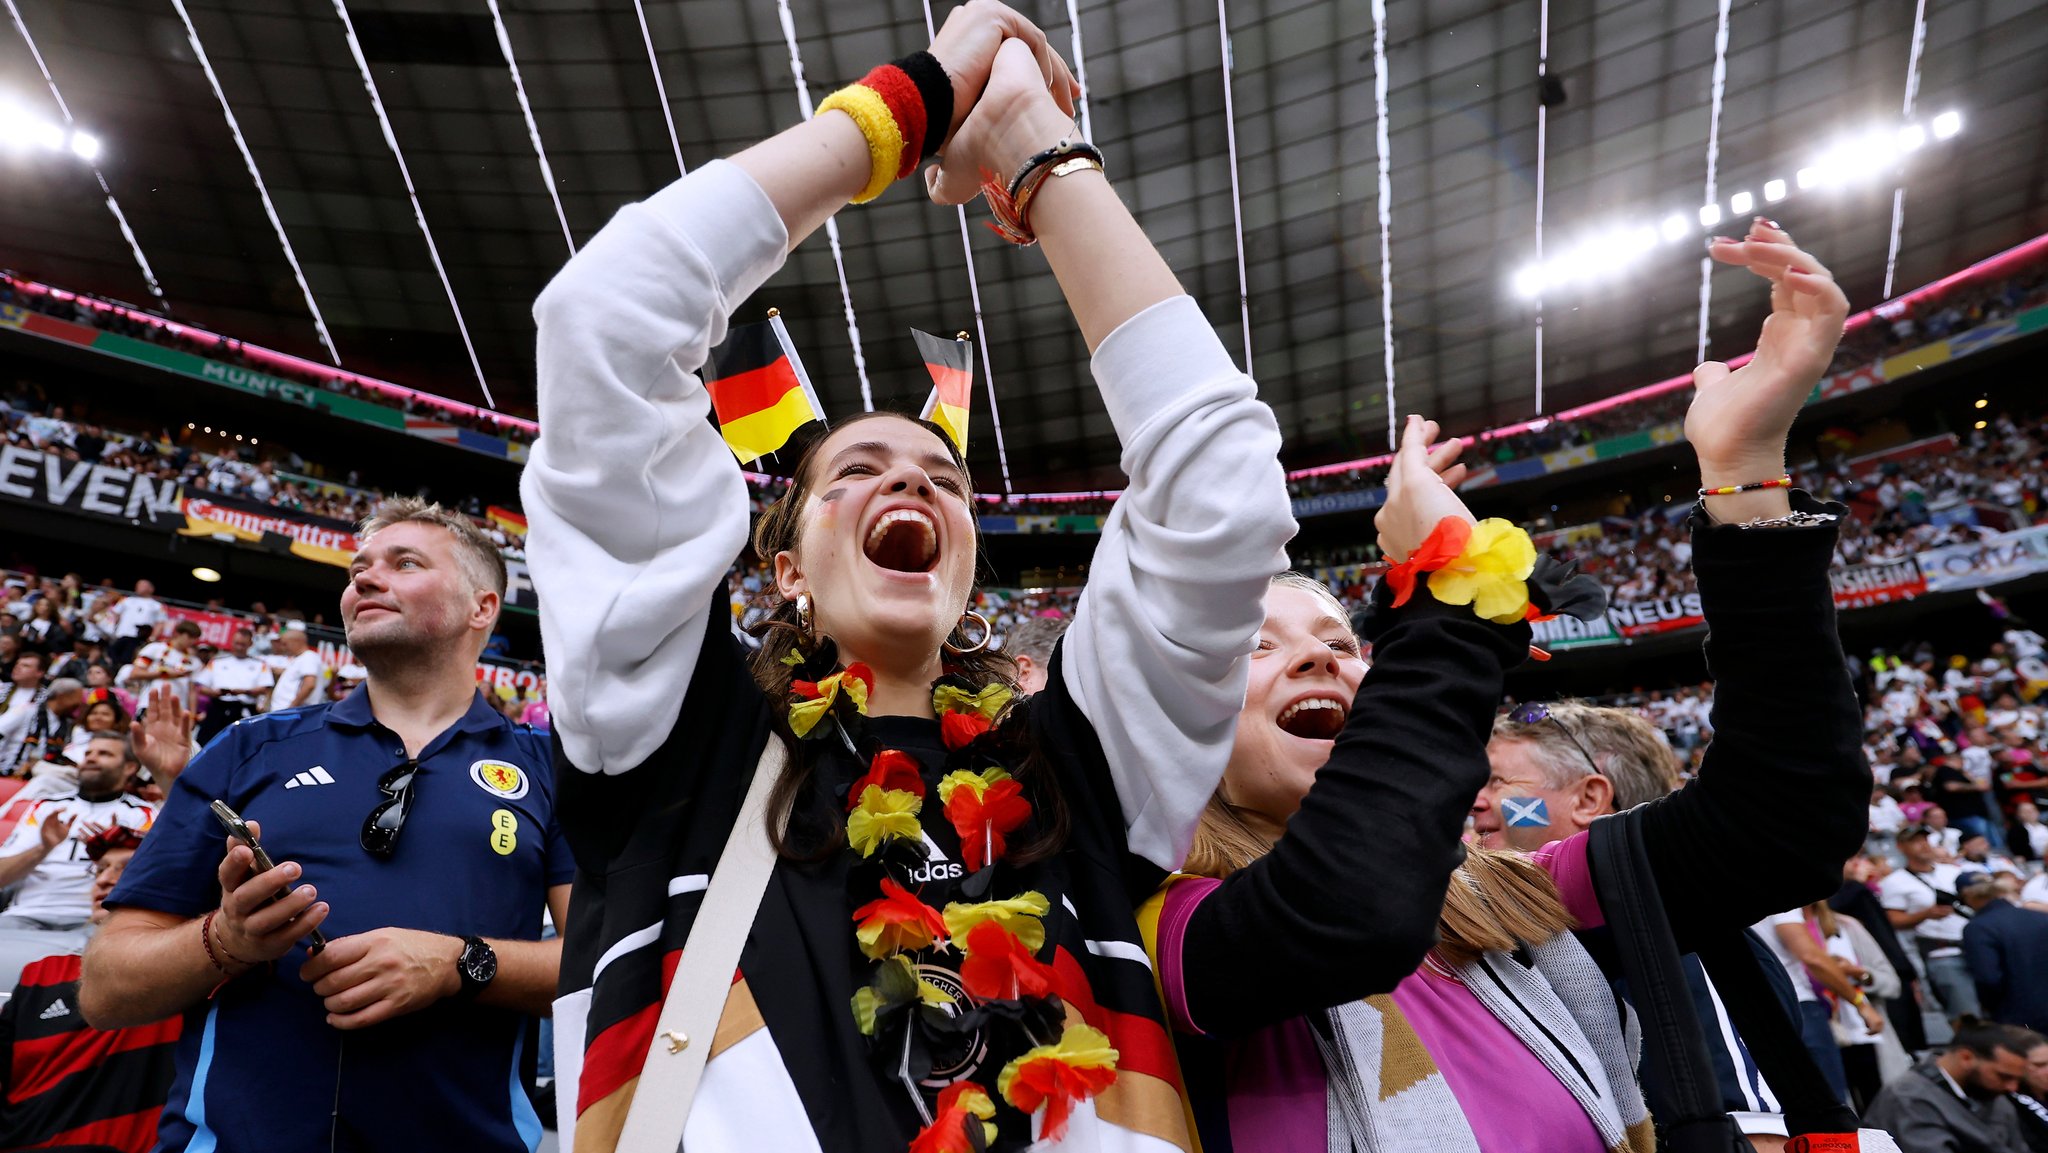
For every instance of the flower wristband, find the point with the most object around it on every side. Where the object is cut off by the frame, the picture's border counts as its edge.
(1484, 565)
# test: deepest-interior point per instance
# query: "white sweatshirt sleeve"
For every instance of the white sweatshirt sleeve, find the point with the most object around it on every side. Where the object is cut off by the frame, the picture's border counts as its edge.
(1156, 657)
(636, 509)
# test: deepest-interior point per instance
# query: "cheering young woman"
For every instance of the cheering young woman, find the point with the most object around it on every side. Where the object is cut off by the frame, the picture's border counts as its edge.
(1294, 1033)
(946, 957)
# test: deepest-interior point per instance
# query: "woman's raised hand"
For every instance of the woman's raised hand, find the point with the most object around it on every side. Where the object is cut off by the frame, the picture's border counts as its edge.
(967, 45)
(1017, 116)
(1739, 420)
(1421, 489)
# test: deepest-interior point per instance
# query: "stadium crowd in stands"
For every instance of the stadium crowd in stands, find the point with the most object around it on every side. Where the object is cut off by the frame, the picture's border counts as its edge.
(1957, 310)
(1995, 479)
(111, 316)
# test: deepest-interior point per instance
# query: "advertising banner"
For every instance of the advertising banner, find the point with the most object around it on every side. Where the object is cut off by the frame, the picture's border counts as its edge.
(1039, 525)
(1323, 504)
(1568, 633)
(225, 518)
(1874, 584)
(215, 629)
(1991, 561)
(519, 592)
(95, 490)
(1648, 618)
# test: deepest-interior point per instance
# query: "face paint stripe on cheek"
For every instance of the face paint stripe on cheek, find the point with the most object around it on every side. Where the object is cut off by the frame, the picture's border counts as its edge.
(832, 495)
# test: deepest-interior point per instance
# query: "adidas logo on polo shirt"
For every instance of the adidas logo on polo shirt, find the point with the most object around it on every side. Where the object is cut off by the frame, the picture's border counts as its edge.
(57, 1009)
(313, 776)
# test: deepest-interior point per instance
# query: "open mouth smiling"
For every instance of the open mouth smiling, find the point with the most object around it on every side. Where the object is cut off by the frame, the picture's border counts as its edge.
(904, 540)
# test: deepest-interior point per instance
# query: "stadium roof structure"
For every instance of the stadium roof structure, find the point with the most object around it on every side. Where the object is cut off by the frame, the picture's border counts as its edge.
(1634, 91)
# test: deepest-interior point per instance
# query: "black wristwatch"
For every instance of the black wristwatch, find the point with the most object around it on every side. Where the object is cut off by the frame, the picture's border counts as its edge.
(477, 966)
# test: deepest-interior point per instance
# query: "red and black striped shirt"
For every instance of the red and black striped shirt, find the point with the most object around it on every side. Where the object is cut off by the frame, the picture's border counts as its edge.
(71, 1086)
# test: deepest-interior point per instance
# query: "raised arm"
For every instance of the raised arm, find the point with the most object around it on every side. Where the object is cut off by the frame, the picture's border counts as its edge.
(1155, 658)
(1785, 770)
(1347, 902)
(636, 507)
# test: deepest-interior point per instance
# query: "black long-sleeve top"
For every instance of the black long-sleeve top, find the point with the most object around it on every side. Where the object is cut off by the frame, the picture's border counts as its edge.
(1782, 798)
(1346, 904)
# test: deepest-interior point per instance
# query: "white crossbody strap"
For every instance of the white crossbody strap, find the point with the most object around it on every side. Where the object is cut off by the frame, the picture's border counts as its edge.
(696, 997)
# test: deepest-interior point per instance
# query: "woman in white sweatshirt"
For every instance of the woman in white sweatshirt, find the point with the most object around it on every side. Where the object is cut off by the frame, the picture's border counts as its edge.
(947, 940)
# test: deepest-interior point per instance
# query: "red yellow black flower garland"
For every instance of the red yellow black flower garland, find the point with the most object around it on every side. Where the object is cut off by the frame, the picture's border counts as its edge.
(999, 940)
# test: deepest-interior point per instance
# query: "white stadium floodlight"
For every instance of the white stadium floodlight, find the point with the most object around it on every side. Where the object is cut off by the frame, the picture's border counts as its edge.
(1710, 215)
(1911, 136)
(1676, 226)
(1948, 124)
(1529, 281)
(1740, 203)
(1808, 177)
(1774, 191)
(85, 146)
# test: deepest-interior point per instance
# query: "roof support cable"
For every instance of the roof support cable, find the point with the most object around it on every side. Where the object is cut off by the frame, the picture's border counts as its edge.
(547, 174)
(1386, 210)
(1713, 193)
(660, 89)
(113, 206)
(988, 373)
(1891, 256)
(419, 215)
(1244, 292)
(1542, 158)
(803, 101)
(262, 192)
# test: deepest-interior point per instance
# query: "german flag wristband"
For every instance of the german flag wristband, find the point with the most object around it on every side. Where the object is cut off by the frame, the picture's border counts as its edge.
(903, 110)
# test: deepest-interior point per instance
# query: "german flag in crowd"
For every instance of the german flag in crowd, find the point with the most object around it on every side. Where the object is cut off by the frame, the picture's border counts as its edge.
(951, 363)
(759, 390)
(507, 520)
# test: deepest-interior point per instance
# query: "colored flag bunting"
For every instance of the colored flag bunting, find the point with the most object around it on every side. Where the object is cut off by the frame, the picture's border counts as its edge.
(759, 389)
(951, 363)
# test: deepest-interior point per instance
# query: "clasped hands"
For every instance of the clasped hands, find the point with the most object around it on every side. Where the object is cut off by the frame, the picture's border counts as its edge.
(1013, 96)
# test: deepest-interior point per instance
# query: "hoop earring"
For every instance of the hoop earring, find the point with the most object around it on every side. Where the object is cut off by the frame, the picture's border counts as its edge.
(988, 633)
(803, 619)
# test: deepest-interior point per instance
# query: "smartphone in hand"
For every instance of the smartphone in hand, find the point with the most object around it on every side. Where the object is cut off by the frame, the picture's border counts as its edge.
(239, 829)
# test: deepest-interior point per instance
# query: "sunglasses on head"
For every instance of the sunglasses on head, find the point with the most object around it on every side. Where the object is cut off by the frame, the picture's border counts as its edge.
(1536, 712)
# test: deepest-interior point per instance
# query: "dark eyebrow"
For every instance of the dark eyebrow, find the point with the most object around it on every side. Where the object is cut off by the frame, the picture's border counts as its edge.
(397, 551)
(930, 461)
(870, 446)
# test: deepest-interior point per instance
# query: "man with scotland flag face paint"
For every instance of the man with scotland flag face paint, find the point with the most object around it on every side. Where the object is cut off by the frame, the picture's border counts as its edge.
(1558, 766)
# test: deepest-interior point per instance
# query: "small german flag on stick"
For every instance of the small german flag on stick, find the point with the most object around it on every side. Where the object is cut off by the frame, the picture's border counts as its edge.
(759, 389)
(951, 363)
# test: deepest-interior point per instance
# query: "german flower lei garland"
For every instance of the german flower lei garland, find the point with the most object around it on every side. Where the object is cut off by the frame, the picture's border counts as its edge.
(901, 1013)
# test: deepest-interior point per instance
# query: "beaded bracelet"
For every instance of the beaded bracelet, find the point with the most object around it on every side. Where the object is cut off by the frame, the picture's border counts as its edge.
(1731, 490)
(904, 111)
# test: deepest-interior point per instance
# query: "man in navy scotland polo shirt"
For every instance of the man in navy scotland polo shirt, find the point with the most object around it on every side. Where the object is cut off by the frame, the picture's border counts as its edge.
(414, 825)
